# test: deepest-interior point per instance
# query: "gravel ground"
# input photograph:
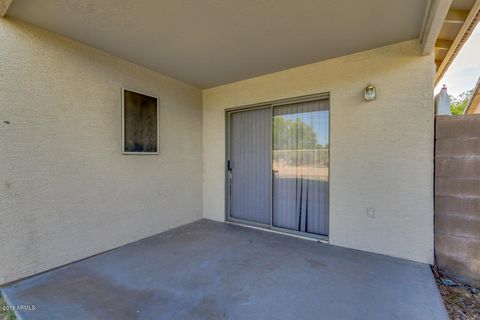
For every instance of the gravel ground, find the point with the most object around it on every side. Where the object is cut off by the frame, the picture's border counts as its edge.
(461, 300)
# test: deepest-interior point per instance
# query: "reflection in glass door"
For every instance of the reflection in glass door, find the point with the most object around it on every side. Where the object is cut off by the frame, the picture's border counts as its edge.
(301, 166)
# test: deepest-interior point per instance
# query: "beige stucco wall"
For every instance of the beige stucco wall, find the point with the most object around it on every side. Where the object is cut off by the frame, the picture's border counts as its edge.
(381, 151)
(66, 191)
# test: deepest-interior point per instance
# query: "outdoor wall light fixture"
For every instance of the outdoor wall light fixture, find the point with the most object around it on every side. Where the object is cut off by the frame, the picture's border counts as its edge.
(370, 92)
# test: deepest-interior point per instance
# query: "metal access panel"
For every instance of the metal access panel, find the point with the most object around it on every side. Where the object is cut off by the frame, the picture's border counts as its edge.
(250, 165)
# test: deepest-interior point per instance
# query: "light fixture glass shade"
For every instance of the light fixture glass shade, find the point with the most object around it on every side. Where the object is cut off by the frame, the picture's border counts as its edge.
(369, 92)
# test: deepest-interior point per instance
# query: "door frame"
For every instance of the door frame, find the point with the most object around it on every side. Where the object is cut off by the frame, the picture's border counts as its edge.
(270, 105)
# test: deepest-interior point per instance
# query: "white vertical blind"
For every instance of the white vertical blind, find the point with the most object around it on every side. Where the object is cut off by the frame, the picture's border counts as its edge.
(250, 156)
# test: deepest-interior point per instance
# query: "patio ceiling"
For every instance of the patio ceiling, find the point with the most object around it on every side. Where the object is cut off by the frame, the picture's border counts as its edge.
(212, 42)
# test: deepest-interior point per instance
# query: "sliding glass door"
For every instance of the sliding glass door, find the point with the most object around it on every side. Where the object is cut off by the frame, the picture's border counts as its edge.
(278, 166)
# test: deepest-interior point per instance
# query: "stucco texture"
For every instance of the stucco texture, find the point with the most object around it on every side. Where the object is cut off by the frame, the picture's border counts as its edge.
(66, 190)
(381, 151)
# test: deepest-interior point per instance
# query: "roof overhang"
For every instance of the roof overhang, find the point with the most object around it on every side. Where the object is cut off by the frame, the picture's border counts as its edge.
(448, 26)
(474, 102)
(4, 5)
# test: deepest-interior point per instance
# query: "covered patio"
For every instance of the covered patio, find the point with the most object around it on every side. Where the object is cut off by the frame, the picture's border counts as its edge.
(213, 270)
(221, 159)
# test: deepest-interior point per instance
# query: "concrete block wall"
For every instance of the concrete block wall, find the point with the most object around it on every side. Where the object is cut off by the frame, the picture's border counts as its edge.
(457, 196)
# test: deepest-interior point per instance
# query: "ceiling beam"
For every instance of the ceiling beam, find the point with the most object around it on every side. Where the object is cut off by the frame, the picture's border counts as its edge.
(443, 44)
(436, 14)
(456, 16)
(4, 5)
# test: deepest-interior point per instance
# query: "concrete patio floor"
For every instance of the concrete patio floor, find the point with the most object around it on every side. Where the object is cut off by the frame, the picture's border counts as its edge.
(211, 270)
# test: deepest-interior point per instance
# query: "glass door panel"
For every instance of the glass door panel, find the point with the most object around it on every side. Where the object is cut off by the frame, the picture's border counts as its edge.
(301, 166)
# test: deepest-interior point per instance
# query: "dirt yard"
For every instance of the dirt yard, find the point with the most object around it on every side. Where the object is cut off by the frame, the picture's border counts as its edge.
(461, 300)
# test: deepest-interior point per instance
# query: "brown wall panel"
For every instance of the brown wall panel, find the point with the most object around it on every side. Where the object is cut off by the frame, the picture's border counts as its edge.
(457, 196)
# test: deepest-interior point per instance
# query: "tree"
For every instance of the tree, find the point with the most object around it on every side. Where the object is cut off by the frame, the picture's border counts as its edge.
(459, 104)
(292, 134)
